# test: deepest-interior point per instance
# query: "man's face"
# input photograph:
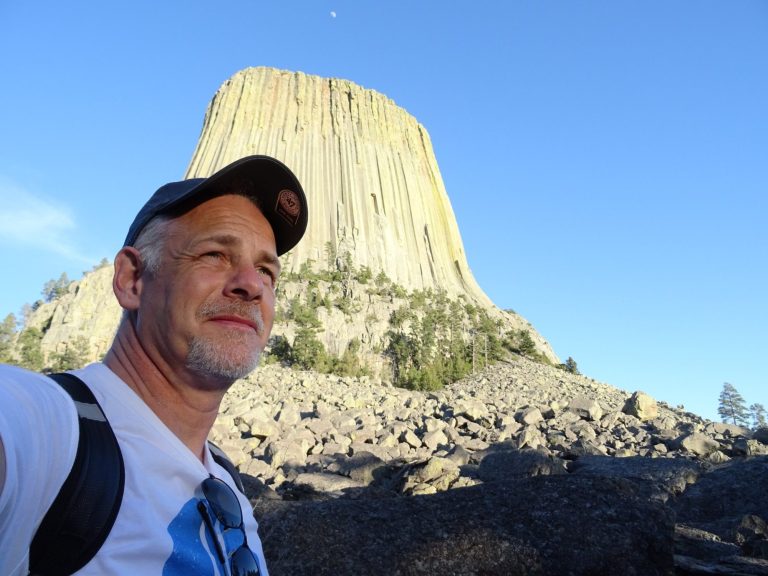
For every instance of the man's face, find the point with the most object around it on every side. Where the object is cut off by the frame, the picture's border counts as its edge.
(209, 307)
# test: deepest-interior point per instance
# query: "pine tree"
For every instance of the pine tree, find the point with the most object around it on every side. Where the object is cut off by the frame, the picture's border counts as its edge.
(31, 351)
(279, 350)
(570, 366)
(55, 288)
(75, 355)
(308, 353)
(732, 406)
(520, 342)
(7, 332)
(757, 411)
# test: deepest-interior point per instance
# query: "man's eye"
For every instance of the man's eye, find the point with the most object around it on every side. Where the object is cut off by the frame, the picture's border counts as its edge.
(213, 255)
(267, 272)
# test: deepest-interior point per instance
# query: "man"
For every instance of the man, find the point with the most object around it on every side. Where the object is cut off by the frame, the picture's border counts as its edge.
(196, 279)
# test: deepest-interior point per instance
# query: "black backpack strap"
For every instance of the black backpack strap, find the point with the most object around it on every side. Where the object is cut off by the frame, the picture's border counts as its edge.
(223, 460)
(81, 517)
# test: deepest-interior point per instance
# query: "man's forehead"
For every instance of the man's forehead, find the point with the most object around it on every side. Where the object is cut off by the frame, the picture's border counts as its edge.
(226, 219)
(237, 206)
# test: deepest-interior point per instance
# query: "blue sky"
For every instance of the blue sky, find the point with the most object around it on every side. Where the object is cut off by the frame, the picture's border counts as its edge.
(606, 161)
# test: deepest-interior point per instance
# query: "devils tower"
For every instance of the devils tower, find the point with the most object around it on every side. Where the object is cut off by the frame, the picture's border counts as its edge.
(376, 200)
(374, 187)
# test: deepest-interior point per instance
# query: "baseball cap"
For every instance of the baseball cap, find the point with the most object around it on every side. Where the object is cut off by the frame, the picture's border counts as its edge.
(268, 181)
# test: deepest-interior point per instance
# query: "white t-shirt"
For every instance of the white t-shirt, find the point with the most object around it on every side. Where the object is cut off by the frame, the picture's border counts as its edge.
(158, 529)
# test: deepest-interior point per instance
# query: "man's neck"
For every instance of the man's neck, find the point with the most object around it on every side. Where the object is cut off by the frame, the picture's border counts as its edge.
(187, 409)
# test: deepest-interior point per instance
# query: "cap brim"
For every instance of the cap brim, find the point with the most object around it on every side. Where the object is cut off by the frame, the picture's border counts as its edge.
(273, 186)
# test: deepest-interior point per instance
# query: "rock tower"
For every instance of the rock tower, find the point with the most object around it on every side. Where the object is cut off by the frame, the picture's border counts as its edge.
(374, 188)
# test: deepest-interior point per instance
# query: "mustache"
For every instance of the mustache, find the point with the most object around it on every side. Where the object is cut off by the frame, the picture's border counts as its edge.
(239, 309)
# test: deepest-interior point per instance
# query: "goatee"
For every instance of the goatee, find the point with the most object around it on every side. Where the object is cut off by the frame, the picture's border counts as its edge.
(231, 356)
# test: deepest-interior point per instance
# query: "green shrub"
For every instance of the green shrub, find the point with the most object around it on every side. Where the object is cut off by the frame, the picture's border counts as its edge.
(364, 275)
(279, 350)
(304, 315)
(349, 364)
(30, 349)
(570, 366)
(308, 353)
(75, 355)
(7, 332)
(520, 341)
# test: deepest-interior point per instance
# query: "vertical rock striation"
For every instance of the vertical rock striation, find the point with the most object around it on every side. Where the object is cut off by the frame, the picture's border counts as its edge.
(368, 167)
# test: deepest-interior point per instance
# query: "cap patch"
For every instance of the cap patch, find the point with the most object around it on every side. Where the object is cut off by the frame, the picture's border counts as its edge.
(288, 206)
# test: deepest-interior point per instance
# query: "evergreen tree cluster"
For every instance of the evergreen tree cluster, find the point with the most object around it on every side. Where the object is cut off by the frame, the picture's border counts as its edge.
(733, 408)
(307, 352)
(426, 344)
(434, 340)
(7, 333)
(54, 289)
(30, 351)
(28, 342)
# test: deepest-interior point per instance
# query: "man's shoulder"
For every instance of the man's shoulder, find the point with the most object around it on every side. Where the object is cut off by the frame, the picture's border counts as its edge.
(33, 407)
(33, 404)
(22, 385)
(12, 373)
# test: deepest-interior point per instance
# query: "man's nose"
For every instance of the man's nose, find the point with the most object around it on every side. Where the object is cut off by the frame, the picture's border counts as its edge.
(245, 283)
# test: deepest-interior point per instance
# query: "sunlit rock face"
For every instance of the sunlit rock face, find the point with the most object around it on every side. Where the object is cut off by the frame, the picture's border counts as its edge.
(374, 187)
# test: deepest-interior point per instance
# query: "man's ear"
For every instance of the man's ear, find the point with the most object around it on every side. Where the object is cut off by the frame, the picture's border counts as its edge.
(128, 279)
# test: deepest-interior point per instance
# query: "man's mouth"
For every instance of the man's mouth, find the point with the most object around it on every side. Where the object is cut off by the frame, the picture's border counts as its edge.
(234, 315)
(237, 322)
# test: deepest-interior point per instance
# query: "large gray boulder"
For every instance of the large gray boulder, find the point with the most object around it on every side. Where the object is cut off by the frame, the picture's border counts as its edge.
(642, 406)
(665, 476)
(547, 525)
(502, 465)
(719, 501)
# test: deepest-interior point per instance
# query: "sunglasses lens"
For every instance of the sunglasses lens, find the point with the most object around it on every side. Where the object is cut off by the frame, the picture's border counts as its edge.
(223, 502)
(243, 563)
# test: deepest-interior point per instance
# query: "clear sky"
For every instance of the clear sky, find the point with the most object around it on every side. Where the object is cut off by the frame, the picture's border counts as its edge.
(607, 161)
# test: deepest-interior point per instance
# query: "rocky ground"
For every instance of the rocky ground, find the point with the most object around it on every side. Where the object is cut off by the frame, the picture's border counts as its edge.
(521, 469)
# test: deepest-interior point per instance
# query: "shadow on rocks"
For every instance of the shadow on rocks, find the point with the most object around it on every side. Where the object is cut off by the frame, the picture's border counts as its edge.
(728, 505)
(547, 525)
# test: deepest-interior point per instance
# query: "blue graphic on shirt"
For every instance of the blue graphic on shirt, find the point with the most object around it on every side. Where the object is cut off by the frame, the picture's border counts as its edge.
(191, 554)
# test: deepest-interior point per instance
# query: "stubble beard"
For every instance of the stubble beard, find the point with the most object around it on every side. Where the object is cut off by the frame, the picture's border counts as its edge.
(232, 355)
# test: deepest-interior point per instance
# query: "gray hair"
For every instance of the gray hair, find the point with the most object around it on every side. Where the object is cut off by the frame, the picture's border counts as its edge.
(150, 243)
